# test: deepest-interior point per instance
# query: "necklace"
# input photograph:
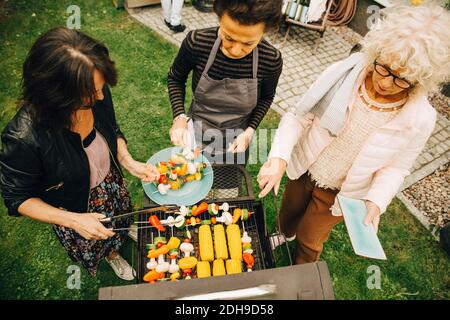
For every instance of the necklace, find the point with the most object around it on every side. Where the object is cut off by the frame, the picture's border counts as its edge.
(381, 107)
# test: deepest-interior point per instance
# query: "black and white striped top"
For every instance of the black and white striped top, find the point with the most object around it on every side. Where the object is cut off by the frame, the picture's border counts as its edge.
(193, 55)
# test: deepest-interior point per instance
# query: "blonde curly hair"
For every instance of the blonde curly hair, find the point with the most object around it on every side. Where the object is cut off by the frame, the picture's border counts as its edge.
(418, 39)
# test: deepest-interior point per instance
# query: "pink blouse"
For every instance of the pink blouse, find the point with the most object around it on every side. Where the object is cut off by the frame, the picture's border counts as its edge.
(99, 161)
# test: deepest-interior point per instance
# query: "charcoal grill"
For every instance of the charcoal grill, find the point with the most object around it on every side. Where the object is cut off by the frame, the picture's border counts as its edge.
(254, 226)
(232, 184)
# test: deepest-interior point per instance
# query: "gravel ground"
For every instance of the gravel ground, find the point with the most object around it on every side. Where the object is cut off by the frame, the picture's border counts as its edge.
(431, 196)
(347, 34)
(441, 103)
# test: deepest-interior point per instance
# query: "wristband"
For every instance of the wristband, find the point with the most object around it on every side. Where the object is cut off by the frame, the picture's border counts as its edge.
(181, 116)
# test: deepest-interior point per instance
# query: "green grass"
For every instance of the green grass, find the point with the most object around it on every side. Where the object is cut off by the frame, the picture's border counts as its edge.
(33, 265)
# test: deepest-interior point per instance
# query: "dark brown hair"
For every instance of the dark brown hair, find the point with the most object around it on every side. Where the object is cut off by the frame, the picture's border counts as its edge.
(251, 12)
(58, 75)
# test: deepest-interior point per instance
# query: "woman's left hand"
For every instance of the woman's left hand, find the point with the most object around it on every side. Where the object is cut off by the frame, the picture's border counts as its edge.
(242, 142)
(373, 215)
(144, 171)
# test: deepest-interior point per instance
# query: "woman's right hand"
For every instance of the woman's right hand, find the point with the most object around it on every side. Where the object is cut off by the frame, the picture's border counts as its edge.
(179, 131)
(88, 225)
(270, 175)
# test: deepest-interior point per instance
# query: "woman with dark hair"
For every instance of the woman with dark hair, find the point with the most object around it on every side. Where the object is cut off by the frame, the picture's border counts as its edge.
(235, 75)
(61, 155)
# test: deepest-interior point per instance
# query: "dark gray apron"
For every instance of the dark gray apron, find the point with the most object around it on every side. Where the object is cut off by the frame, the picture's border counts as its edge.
(224, 104)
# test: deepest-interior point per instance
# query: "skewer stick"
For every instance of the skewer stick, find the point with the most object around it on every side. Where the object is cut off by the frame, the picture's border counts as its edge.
(138, 228)
(157, 191)
(171, 227)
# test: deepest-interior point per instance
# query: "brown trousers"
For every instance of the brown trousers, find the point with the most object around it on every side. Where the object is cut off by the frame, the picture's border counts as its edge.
(305, 212)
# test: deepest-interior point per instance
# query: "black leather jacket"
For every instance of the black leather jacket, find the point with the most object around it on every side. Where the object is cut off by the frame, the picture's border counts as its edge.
(48, 164)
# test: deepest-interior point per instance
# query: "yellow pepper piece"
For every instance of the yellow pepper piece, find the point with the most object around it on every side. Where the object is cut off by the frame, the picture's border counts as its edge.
(174, 243)
(156, 253)
(187, 263)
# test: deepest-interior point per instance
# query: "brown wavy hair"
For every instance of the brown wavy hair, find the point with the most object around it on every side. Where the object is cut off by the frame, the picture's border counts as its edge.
(58, 75)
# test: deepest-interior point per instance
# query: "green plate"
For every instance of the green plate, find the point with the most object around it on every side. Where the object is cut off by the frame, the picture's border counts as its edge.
(189, 194)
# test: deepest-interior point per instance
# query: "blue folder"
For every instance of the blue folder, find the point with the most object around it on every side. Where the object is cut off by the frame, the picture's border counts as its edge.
(364, 239)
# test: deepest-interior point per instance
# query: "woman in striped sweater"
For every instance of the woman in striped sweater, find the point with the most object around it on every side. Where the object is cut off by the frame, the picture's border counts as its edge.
(235, 75)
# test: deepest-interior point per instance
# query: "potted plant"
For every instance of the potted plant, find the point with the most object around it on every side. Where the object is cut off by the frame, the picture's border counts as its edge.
(203, 5)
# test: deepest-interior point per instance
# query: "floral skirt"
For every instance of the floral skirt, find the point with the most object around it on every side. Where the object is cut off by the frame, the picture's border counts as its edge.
(111, 198)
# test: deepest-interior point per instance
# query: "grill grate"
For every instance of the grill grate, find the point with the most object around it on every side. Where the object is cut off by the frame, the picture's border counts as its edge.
(255, 227)
(232, 184)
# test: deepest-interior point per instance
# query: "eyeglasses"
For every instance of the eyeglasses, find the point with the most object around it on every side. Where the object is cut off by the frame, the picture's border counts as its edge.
(385, 72)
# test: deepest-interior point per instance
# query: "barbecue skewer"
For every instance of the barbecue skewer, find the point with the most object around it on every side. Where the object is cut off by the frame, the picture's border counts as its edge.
(157, 191)
(140, 228)
(129, 228)
(146, 227)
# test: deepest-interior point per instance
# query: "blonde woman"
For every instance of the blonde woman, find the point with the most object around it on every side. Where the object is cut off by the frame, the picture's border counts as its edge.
(359, 128)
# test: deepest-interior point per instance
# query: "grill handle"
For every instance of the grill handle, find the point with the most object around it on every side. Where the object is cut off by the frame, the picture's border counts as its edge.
(248, 182)
(240, 169)
(248, 293)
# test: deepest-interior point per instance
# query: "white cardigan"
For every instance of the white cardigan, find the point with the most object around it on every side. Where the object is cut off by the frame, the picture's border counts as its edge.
(383, 162)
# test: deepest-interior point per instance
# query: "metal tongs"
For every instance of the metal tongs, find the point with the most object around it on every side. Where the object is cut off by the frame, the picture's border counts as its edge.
(165, 208)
